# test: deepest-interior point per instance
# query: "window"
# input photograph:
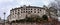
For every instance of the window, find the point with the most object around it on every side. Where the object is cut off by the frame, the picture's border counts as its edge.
(34, 11)
(26, 11)
(18, 10)
(23, 11)
(31, 9)
(18, 13)
(38, 12)
(15, 13)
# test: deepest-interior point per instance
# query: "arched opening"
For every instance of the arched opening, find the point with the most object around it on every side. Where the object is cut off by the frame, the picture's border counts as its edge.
(45, 17)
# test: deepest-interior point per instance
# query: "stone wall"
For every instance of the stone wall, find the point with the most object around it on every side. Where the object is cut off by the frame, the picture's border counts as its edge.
(31, 24)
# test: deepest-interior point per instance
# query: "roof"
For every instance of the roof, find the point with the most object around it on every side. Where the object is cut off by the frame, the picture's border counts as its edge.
(27, 7)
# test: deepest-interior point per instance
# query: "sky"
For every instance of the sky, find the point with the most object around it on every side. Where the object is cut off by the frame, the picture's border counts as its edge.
(7, 5)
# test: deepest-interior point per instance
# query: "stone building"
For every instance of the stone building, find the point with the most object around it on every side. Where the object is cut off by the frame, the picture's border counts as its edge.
(21, 12)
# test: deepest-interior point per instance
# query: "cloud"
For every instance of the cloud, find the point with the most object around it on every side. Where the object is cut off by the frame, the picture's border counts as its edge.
(30, 2)
(1, 1)
(5, 6)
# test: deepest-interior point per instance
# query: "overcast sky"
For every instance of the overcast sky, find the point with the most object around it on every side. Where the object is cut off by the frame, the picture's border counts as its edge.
(7, 5)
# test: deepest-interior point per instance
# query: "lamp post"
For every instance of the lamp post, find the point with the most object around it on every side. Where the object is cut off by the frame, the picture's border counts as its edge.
(4, 17)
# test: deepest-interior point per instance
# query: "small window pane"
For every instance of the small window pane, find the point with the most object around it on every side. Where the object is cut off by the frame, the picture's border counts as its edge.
(31, 9)
(40, 10)
(34, 11)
